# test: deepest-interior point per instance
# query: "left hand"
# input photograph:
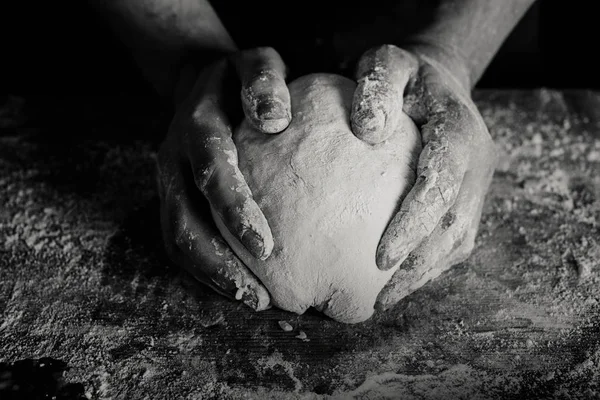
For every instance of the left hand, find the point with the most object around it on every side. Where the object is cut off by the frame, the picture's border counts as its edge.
(436, 225)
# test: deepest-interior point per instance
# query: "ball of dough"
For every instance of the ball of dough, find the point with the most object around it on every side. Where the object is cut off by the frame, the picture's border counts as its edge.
(328, 198)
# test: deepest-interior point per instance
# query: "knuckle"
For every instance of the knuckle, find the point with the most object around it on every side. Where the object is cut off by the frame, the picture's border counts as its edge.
(440, 189)
(443, 172)
(448, 220)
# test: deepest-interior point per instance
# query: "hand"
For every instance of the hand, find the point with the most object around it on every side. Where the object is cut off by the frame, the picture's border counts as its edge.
(436, 225)
(198, 170)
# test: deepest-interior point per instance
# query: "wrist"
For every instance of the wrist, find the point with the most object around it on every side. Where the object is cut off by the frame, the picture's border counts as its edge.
(442, 56)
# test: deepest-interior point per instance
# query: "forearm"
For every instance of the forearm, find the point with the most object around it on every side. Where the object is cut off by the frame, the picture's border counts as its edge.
(163, 34)
(466, 34)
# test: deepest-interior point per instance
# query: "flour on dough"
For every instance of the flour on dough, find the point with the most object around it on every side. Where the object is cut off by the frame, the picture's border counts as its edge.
(327, 197)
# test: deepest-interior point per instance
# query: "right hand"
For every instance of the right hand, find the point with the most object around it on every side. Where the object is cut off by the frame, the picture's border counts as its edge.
(198, 171)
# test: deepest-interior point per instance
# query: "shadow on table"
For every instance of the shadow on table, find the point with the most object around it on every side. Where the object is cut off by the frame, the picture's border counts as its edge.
(32, 379)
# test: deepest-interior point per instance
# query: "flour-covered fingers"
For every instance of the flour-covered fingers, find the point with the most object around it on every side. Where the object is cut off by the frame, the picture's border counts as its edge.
(404, 281)
(193, 242)
(424, 264)
(213, 159)
(265, 96)
(450, 243)
(233, 280)
(382, 75)
(209, 147)
(442, 165)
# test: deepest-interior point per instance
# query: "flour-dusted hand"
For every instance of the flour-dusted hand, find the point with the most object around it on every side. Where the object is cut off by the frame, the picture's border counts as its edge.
(198, 170)
(436, 224)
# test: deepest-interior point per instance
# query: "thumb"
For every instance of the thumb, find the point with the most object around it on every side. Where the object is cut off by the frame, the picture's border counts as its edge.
(265, 96)
(382, 74)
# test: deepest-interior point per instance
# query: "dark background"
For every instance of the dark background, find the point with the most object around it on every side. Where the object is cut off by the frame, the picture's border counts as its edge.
(64, 47)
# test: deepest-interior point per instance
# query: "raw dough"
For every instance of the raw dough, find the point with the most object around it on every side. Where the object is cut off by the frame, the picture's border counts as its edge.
(327, 197)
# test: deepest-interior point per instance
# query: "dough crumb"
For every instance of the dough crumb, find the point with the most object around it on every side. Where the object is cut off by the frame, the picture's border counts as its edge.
(239, 294)
(302, 336)
(285, 326)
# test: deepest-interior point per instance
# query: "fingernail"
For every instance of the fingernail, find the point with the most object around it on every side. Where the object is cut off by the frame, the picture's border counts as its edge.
(250, 299)
(386, 261)
(247, 296)
(369, 126)
(380, 306)
(254, 243)
(383, 259)
(258, 299)
(273, 125)
(273, 117)
(271, 110)
(383, 302)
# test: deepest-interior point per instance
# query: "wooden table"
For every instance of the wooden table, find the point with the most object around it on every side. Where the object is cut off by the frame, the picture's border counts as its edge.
(84, 283)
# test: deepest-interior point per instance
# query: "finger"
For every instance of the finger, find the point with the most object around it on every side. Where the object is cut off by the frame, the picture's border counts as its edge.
(450, 243)
(440, 171)
(213, 158)
(382, 75)
(265, 96)
(238, 283)
(193, 242)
